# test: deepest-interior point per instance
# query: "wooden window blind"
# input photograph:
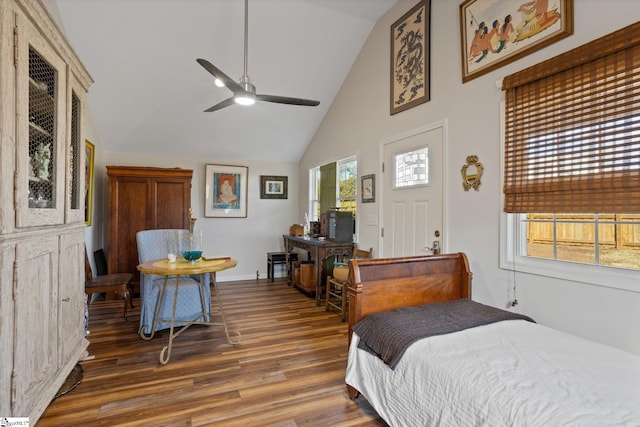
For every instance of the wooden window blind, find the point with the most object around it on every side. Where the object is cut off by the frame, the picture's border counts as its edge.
(572, 130)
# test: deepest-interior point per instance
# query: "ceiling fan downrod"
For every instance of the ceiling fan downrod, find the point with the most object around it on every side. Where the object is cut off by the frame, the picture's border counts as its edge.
(249, 97)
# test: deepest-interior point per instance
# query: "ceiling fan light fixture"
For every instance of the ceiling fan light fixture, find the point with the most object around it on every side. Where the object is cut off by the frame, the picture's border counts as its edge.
(245, 99)
(248, 96)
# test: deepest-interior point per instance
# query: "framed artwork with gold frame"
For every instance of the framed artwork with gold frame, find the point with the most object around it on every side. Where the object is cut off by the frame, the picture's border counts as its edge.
(494, 33)
(89, 157)
(410, 58)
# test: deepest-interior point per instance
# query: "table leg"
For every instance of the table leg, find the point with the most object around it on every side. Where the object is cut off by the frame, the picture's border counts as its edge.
(286, 261)
(286, 257)
(165, 355)
(206, 316)
(235, 340)
(319, 268)
(157, 312)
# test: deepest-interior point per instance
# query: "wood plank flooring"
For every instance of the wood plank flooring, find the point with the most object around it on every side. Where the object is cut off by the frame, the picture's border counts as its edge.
(287, 371)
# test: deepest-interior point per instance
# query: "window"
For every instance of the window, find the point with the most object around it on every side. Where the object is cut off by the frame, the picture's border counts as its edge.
(572, 154)
(600, 239)
(411, 169)
(347, 184)
(333, 185)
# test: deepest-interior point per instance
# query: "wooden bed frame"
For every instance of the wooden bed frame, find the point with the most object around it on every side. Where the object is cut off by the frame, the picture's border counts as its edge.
(384, 284)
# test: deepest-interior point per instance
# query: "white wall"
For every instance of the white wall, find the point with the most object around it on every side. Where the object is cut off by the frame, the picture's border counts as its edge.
(93, 234)
(359, 120)
(245, 239)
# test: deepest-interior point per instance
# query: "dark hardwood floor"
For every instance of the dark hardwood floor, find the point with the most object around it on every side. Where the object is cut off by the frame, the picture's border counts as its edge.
(287, 371)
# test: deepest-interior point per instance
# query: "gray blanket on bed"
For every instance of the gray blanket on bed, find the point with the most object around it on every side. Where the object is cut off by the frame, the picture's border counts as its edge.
(389, 334)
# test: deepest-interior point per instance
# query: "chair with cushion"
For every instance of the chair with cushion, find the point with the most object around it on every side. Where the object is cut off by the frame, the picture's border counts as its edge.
(336, 297)
(107, 283)
(154, 245)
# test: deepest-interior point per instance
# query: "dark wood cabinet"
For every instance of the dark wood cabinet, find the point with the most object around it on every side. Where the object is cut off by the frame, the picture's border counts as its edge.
(143, 198)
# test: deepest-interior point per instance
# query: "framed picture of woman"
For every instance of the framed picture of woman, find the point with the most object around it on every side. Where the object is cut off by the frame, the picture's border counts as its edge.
(226, 191)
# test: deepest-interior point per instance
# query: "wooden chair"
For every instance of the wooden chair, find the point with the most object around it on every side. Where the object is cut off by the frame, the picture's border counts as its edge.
(336, 297)
(118, 282)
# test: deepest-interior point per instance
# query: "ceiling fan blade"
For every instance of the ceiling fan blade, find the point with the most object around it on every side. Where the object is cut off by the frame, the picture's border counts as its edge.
(220, 105)
(215, 71)
(288, 100)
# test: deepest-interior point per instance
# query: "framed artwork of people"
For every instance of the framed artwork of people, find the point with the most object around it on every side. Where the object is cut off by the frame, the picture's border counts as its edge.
(226, 191)
(494, 33)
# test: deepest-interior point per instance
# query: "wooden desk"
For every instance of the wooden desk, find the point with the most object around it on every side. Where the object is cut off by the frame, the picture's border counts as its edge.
(319, 250)
(181, 268)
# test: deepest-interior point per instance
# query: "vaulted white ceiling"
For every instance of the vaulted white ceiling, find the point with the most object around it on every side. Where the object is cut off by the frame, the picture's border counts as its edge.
(149, 92)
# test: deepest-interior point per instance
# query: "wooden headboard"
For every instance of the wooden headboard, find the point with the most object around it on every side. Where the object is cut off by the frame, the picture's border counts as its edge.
(386, 283)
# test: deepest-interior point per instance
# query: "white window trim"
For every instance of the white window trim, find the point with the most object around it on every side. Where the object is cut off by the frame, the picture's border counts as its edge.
(312, 187)
(511, 257)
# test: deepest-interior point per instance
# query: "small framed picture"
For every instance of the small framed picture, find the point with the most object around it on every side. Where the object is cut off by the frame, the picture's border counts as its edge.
(273, 187)
(368, 188)
(226, 191)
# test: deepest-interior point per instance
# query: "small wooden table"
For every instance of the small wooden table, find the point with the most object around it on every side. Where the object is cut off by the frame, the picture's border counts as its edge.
(318, 250)
(184, 268)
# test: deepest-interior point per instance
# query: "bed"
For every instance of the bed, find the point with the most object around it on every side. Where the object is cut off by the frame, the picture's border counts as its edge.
(507, 372)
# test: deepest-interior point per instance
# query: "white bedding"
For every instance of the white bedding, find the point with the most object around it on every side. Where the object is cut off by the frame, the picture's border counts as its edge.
(511, 373)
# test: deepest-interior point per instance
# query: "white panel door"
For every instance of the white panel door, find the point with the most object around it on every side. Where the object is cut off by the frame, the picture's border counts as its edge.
(412, 215)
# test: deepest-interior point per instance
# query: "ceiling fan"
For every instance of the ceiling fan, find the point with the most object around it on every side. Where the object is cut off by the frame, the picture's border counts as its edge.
(244, 93)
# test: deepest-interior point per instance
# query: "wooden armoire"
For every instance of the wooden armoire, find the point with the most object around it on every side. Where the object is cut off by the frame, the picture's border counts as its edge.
(143, 198)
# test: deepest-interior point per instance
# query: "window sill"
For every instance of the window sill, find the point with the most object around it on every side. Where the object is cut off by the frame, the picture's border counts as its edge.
(610, 277)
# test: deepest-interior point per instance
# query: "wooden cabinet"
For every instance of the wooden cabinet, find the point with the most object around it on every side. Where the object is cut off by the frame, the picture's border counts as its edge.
(143, 198)
(35, 311)
(42, 87)
(49, 111)
(71, 311)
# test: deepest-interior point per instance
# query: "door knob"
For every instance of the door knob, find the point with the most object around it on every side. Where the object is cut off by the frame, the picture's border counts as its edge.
(435, 249)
